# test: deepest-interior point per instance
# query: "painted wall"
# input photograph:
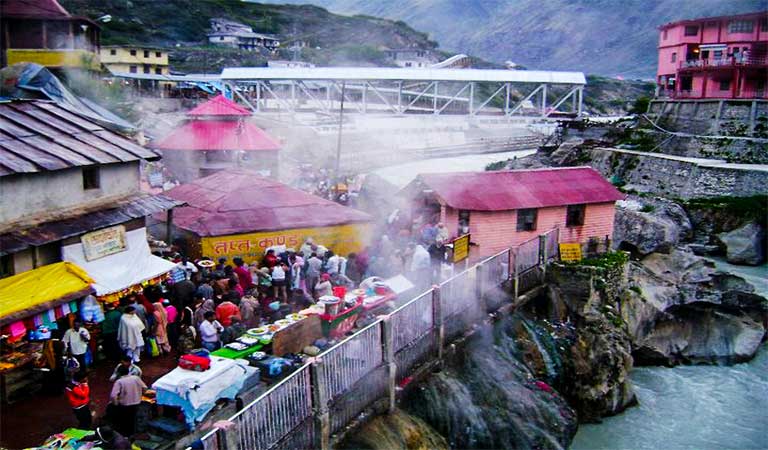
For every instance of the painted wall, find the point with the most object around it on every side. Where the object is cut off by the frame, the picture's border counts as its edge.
(45, 192)
(494, 231)
(123, 56)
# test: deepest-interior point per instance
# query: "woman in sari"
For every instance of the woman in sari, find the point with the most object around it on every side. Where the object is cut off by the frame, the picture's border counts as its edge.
(161, 327)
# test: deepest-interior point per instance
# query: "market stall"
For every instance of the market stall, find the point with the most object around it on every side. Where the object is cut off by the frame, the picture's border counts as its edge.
(196, 392)
(31, 305)
(119, 261)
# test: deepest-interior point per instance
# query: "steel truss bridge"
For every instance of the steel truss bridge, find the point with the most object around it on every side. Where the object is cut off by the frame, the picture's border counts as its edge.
(399, 91)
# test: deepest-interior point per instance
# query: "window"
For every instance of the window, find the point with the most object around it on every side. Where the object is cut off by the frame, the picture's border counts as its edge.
(725, 85)
(718, 54)
(113, 52)
(408, 64)
(691, 30)
(146, 53)
(674, 57)
(526, 219)
(665, 35)
(158, 71)
(574, 215)
(91, 179)
(133, 52)
(463, 222)
(763, 25)
(6, 266)
(146, 68)
(158, 54)
(132, 69)
(740, 26)
(221, 38)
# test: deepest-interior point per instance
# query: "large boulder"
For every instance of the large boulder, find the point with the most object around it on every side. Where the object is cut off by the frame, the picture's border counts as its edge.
(647, 226)
(745, 245)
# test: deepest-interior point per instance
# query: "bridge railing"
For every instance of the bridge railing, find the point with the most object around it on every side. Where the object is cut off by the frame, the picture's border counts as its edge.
(321, 398)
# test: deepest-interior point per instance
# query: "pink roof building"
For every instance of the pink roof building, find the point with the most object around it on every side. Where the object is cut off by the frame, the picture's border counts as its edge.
(505, 208)
(714, 57)
(218, 136)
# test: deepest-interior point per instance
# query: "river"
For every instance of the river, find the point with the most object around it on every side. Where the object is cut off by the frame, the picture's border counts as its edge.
(693, 407)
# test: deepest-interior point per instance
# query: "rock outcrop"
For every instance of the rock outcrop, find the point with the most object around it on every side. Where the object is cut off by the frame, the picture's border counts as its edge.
(679, 309)
(744, 245)
(644, 226)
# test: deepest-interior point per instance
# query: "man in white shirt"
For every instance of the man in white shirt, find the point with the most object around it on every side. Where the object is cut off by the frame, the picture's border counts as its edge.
(188, 267)
(76, 340)
(210, 328)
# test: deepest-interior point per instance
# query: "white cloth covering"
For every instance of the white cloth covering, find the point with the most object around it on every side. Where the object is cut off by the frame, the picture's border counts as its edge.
(203, 387)
(116, 272)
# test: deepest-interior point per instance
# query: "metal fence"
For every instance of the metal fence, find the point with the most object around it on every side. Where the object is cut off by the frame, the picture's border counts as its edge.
(356, 372)
(551, 242)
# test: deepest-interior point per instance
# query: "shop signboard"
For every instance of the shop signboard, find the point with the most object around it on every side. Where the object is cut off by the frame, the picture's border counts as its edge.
(101, 243)
(342, 239)
(570, 252)
(460, 248)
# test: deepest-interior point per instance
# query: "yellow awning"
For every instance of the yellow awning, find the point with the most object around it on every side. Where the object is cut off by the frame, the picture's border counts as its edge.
(41, 289)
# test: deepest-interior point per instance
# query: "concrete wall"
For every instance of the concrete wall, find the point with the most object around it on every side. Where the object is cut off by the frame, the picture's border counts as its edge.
(31, 194)
(712, 117)
(494, 231)
(677, 179)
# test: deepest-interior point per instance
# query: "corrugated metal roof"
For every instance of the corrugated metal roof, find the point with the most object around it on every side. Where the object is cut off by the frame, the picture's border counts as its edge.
(217, 135)
(240, 201)
(517, 189)
(47, 9)
(398, 74)
(71, 223)
(219, 106)
(39, 135)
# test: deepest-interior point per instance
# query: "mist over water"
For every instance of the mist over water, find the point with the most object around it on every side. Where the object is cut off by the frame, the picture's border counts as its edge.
(693, 407)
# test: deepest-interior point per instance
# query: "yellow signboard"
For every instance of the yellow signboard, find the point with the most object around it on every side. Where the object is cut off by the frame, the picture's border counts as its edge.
(101, 243)
(341, 239)
(461, 248)
(570, 252)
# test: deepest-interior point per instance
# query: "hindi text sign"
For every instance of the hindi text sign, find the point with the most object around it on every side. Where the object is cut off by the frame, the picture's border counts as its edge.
(570, 252)
(101, 243)
(460, 248)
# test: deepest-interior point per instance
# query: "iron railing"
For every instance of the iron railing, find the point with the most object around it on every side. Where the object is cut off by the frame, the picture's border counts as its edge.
(353, 374)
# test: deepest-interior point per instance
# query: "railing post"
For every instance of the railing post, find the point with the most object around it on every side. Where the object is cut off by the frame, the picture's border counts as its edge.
(516, 279)
(388, 350)
(437, 322)
(479, 271)
(544, 256)
(322, 417)
(227, 438)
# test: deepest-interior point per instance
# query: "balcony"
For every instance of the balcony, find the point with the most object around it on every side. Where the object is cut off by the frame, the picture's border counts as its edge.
(722, 63)
(56, 58)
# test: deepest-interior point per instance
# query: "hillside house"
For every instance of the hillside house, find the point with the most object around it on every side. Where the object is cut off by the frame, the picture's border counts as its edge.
(412, 57)
(505, 208)
(43, 32)
(132, 59)
(714, 57)
(228, 33)
(70, 192)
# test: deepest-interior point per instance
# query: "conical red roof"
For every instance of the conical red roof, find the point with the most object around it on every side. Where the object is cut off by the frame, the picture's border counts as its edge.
(219, 106)
(218, 135)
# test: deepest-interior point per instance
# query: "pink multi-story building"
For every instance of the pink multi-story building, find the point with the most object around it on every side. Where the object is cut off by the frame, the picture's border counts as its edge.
(715, 57)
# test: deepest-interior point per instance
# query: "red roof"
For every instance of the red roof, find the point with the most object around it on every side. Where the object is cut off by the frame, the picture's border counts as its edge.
(219, 106)
(218, 135)
(43, 9)
(240, 201)
(518, 189)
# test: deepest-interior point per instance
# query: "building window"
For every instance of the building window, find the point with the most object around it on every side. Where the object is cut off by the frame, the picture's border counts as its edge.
(146, 53)
(763, 25)
(221, 38)
(158, 54)
(674, 57)
(691, 30)
(133, 52)
(132, 69)
(725, 85)
(408, 64)
(718, 54)
(463, 222)
(740, 26)
(91, 179)
(112, 52)
(158, 71)
(574, 215)
(666, 33)
(6, 266)
(526, 219)
(146, 68)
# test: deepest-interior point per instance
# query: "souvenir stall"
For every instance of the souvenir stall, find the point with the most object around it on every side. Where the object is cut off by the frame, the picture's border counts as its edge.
(34, 306)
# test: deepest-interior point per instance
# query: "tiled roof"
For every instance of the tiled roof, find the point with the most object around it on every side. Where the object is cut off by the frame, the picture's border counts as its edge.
(39, 136)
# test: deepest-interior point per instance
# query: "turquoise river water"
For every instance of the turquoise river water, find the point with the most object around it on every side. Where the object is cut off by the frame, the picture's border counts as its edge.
(693, 407)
